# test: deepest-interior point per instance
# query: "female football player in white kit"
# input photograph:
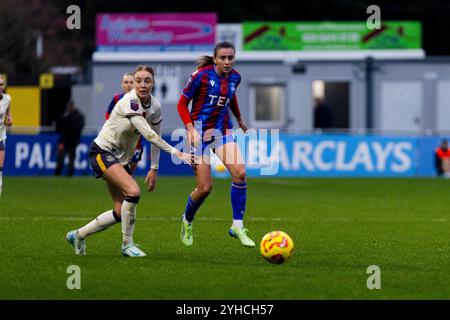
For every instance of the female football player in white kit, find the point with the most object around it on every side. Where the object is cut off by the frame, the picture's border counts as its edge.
(110, 154)
(5, 121)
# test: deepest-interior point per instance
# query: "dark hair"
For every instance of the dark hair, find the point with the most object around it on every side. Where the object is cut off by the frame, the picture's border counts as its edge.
(207, 60)
(143, 67)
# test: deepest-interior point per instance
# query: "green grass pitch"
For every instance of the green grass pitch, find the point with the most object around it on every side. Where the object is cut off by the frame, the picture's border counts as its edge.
(339, 227)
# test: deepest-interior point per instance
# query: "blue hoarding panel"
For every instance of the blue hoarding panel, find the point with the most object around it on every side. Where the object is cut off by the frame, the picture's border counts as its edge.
(331, 155)
(28, 155)
(266, 154)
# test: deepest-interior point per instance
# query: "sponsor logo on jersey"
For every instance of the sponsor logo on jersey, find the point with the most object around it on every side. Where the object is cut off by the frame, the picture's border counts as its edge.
(134, 105)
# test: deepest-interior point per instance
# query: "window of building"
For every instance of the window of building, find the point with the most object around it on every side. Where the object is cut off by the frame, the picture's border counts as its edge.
(267, 105)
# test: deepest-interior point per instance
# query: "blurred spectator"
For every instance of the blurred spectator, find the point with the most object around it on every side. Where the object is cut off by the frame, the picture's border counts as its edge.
(69, 126)
(442, 159)
(323, 116)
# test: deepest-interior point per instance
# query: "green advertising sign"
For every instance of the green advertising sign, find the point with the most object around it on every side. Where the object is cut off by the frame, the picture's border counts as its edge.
(331, 35)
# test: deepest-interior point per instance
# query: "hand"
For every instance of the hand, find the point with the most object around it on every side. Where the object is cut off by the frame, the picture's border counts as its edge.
(188, 158)
(150, 179)
(193, 135)
(8, 121)
(242, 125)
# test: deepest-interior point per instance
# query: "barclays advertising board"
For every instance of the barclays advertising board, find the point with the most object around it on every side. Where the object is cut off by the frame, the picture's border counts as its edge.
(331, 155)
(266, 154)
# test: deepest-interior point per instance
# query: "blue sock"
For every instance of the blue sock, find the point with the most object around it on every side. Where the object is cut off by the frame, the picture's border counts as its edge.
(238, 199)
(191, 208)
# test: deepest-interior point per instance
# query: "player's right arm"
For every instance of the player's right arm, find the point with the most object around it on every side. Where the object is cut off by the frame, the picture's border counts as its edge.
(8, 116)
(183, 110)
(190, 90)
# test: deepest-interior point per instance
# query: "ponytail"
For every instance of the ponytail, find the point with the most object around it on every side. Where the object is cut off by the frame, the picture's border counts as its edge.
(205, 61)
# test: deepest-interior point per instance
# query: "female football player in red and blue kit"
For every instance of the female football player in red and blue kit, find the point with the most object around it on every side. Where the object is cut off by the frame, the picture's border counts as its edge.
(127, 84)
(212, 87)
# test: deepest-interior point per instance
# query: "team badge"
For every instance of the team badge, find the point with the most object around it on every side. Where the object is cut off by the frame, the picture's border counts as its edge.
(134, 105)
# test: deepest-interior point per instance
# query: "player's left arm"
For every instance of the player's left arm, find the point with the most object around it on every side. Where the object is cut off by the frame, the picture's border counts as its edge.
(234, 106)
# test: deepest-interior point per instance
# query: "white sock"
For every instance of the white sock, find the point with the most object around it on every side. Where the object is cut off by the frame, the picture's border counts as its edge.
(102, 222)
(128, 221)
(185, 221)
(238, 223)
(1, 182)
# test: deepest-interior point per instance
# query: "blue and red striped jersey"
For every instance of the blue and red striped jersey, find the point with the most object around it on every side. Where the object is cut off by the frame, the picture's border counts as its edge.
(113, 102)
(212, 95)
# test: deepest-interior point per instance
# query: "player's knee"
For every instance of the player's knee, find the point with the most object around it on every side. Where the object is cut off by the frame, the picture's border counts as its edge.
(239, 174)
(133, 192)
(205, 189)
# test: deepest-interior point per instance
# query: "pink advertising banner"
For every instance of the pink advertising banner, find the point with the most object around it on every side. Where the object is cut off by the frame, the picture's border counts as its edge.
(155, 31)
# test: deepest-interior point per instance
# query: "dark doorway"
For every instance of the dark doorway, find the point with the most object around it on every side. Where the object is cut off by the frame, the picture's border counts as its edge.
(53, 105)
(331, 104)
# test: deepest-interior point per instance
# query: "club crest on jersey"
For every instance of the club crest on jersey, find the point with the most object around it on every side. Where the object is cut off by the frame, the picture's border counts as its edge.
(134, 105)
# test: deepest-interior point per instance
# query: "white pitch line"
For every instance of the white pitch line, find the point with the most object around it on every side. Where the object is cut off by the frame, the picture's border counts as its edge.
(212, 219)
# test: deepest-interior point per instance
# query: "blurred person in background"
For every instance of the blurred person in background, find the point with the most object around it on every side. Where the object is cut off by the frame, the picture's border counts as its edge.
(323, 116)
(127, 85)
(442, 159)
(5, 121)
(69, 126)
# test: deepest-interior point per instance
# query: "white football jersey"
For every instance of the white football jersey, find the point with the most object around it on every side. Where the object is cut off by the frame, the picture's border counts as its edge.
(118, 135)
(4, 105)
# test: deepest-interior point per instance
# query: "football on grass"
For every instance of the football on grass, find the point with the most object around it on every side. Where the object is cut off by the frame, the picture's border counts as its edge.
(277, 247)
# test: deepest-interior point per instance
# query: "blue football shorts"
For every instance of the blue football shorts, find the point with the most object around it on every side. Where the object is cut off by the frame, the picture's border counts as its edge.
(212, 144)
